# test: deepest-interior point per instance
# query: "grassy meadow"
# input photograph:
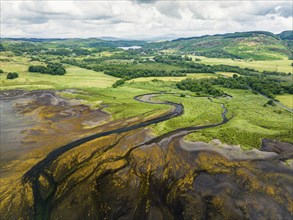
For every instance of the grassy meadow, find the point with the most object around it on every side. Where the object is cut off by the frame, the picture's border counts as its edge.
(75, 77)
(197, 111)
(118, 102)
(281, 65)
(250, 120)
(250, 123)
(227, 74)
(94, 88)
(175, 79)
(286, 99)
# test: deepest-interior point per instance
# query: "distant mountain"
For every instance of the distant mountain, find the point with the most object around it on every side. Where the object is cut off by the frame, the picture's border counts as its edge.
(161, 38)
(257, 45)
(89, 42)
(34, 39)
(286, 35)
(110, 38)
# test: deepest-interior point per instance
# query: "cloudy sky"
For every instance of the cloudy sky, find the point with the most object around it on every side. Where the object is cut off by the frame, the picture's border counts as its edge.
(141, 18)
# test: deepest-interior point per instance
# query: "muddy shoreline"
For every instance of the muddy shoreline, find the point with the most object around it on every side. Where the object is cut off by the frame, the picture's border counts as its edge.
(124, 173)
(27, 116)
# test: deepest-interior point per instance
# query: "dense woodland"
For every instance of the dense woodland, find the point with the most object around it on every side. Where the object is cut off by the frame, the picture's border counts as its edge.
(258, 84)
(136, 73)
(200, 87)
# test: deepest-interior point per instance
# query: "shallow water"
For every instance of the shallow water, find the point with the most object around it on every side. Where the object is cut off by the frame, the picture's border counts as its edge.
(33, 120)
(13, 127)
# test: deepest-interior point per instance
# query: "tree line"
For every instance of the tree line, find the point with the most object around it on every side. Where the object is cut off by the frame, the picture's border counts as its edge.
(200, 87)
(263, 85)
(136, 73)
(53, 69)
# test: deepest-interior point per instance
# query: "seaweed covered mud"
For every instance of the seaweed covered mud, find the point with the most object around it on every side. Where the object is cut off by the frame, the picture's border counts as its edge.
(79, 164)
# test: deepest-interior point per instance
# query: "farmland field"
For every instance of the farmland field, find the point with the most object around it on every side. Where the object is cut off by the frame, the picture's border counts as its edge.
(283, 65)
(286, 99)
(75, 78)
(176, 79)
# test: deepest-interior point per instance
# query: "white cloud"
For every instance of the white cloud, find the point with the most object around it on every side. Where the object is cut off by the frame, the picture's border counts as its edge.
(141, 18)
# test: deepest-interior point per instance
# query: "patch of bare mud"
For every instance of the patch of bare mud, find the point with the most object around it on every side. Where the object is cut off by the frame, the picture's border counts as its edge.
(231, 152)
(41, 119)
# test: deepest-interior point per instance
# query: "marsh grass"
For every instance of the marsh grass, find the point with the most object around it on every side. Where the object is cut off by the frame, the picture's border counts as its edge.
(250, 123)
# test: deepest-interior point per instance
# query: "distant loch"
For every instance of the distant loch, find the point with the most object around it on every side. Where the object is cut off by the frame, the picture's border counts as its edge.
(130, 48)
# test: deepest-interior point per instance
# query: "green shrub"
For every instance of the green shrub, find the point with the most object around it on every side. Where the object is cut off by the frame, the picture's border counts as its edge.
(53, 69)
(13, 75)
(271, 102)
(119, 82)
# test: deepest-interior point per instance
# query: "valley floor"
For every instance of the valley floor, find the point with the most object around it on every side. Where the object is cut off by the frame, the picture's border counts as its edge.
(74, 146)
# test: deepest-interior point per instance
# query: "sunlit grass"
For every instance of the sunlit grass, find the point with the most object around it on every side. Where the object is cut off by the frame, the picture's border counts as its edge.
(250, 123)
(197, 111)
(286, 99)
(282, 65)
(74, 78)
(176, 79)
(227, 74)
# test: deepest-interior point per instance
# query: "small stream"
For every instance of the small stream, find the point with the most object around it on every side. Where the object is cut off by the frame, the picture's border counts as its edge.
(42, 206)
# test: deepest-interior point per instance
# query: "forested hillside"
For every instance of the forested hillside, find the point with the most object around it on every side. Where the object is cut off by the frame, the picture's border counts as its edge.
(258, 45)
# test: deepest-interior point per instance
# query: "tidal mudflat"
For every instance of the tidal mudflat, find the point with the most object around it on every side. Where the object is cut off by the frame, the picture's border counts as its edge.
(70, 161)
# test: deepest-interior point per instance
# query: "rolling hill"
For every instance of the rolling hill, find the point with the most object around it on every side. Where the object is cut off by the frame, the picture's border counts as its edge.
(257, 45)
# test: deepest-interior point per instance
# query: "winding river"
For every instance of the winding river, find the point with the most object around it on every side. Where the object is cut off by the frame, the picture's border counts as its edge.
(177, 110)
(41, 206)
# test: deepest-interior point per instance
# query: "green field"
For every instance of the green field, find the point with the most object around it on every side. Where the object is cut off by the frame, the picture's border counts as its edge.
(227, 74)
(250, 123)
(286, 100)
(118, 102)
(283, 65)
(95, 87)
(197, 111)
(75, 77)
(175, 79)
